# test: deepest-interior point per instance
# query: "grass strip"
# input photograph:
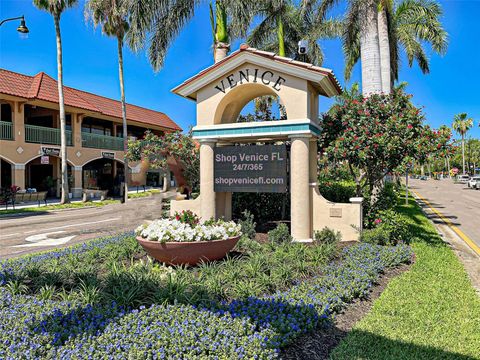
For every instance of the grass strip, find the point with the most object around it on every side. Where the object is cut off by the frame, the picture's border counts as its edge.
(430, 312)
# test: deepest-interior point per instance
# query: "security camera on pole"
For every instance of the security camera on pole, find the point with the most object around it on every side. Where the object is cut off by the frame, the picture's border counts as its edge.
(302, 49)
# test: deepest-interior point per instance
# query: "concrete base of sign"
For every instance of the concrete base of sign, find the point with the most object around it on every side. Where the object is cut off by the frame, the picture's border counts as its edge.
(193, 205)
(302, 241)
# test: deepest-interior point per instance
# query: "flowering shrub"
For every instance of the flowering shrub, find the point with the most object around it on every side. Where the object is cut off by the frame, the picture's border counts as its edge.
(166, 230)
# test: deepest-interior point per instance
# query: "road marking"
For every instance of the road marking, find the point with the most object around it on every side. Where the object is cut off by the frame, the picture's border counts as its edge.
(1, 235)
(71, 225)
(44, 240)
(459, 232)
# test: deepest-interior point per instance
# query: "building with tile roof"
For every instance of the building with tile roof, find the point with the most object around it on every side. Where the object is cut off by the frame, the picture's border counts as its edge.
(30, 136)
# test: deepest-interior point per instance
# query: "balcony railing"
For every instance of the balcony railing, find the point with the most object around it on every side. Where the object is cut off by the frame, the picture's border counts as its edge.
(102, 141)
(45, 135)
(6, 130)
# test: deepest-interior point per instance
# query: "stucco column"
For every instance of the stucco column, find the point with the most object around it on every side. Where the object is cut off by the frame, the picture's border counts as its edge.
(313, 160)
(207, 209)
(77, 182)
(19, 175)
(18, 123)
(299, 187)
(77, 130)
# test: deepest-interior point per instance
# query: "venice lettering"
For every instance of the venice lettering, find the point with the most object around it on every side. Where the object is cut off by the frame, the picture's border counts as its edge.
(251, 75)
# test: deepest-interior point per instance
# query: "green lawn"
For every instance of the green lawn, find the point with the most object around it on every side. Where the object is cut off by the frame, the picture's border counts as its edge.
(75, 205)
(429, 312)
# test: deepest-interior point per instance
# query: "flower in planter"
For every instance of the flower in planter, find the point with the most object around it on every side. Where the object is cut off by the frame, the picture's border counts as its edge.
(173, 230)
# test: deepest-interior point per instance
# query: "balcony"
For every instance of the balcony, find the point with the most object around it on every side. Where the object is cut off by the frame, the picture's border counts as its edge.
(45, 135)
(6, 130)
(96, 141)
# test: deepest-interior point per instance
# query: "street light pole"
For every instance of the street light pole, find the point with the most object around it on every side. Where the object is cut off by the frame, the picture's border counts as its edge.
(22, 28)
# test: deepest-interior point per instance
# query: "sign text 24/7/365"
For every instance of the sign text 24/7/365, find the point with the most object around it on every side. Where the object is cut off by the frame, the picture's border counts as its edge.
(255, 168)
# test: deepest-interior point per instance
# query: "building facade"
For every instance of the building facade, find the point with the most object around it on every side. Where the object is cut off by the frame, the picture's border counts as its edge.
(30, 137)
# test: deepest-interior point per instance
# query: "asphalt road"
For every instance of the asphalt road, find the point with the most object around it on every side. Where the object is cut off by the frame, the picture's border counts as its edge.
(37, 232)
(456, 202)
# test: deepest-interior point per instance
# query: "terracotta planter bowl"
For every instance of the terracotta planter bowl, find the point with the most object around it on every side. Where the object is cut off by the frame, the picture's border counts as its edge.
(191, 253)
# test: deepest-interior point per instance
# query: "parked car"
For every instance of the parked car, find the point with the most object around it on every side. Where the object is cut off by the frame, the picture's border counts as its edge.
(477, 185)
(463, 179)
(473, 181)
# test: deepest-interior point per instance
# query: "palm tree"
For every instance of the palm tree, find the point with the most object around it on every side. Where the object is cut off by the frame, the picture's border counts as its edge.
(218, 22)
(446, 134)
(408, 26)
(376, 38)
(112, 15)
(360, 37)
(163, 21)
(56, 8)
(461, 124)
(283, 25)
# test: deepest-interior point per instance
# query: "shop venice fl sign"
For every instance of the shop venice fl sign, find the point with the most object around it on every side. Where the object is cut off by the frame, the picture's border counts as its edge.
(256, 168)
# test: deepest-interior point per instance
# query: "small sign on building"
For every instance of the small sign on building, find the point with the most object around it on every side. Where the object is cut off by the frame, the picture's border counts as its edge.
(45, 160)
(50, 151)
(108, 155)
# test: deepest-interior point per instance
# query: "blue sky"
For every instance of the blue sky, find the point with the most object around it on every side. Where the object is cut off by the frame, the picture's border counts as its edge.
(90, 62)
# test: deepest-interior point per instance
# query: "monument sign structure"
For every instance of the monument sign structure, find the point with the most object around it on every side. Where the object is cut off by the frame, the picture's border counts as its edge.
(231, 159)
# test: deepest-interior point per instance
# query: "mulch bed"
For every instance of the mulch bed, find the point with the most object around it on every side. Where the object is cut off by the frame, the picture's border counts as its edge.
(318, 345)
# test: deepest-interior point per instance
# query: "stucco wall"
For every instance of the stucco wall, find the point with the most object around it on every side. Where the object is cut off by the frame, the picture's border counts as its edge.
(337, 216)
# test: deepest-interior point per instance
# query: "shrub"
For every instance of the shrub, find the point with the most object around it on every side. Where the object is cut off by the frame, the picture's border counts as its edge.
(337, 191)
(327, 235)
(247, 224)
(265, 207)
(376, 236)
(390, 228)
(279, 235)
(386, 199)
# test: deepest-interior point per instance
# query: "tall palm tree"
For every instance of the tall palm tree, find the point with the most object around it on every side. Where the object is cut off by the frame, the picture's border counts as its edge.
(218, 22)
(461, 124)
(112, 16)
(283, 25)
(408, 26)
(446, 134)
(163, 20)
(360, 36)
(56, 8)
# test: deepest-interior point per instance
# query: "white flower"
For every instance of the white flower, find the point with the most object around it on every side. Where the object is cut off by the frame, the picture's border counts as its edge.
(167, 230)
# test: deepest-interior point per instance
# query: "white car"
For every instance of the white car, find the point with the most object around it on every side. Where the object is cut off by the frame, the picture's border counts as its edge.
(463, 179)
(472, 183)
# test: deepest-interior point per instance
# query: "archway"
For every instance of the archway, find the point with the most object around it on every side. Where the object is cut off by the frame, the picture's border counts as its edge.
(43, 173)
(6, 174)
(238, 99)
(103, 174)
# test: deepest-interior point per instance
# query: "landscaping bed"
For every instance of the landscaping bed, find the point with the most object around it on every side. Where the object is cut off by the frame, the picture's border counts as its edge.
(104, 298)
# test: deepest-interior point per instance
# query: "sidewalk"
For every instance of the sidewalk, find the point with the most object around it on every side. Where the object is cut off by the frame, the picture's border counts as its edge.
(56, 201)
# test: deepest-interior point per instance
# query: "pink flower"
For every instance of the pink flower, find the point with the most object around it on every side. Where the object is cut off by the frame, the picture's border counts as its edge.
(378, 221)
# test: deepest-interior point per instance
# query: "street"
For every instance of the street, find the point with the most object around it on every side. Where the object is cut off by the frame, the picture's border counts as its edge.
(457, 203)
(23, 234)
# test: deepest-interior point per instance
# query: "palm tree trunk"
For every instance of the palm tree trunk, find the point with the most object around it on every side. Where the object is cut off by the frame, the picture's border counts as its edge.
(281, 37)
(384, 43)
(370, 51)
(124, 118)
(221, 51)
(448, 165)
(63, 136)
(463, 152)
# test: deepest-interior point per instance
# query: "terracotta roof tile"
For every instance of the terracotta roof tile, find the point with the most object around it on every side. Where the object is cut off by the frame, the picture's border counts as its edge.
(44, 87)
